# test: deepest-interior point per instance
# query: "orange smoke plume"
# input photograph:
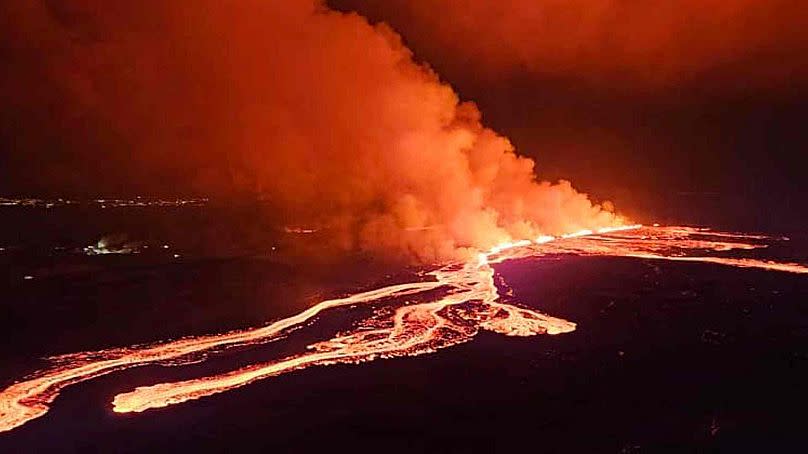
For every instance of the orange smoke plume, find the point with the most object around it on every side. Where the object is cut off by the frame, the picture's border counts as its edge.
(324, 115)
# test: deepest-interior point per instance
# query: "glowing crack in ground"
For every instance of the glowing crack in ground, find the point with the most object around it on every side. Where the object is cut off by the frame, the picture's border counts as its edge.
(463, 300)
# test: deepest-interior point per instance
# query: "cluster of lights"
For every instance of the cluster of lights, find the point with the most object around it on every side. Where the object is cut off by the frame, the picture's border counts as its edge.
(102, 202)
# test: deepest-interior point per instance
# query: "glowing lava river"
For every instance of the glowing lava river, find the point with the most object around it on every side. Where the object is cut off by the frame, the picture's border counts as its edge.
(457, 302)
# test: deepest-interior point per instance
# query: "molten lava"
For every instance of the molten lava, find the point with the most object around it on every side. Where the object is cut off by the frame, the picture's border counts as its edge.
(459, 301)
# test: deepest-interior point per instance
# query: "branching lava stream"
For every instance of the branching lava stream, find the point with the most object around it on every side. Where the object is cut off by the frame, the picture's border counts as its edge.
(467, 301)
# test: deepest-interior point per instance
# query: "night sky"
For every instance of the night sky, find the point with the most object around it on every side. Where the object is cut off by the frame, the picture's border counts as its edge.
(685, 112)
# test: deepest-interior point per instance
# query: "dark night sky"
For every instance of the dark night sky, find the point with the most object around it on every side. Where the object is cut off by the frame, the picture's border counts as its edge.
(705, 116)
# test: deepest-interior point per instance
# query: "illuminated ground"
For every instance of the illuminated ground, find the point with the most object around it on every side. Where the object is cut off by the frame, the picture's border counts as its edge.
(664, 354)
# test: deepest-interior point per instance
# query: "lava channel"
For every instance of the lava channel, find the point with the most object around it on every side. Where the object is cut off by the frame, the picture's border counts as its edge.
(468, 302)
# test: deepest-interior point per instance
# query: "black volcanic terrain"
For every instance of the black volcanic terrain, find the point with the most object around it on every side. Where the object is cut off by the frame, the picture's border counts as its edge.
(666, 356)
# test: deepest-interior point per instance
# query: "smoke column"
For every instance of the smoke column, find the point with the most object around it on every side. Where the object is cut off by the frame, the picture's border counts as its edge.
(324, 115)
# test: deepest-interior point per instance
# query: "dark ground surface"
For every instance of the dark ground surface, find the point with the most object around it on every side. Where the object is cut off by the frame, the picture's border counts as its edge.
(667, 356)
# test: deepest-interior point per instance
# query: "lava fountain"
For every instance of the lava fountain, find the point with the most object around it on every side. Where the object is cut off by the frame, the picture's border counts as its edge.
(458, 301)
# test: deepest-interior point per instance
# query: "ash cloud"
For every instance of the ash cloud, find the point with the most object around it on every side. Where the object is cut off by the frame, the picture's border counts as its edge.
(322, 114)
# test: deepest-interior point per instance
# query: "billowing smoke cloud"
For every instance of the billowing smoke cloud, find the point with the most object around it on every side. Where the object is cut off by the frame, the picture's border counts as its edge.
(322, 114)
(748, 43)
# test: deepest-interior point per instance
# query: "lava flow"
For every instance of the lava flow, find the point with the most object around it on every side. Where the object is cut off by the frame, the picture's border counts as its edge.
(460, 300)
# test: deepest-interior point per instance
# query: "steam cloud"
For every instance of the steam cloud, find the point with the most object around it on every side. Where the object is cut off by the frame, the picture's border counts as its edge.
(326, 116)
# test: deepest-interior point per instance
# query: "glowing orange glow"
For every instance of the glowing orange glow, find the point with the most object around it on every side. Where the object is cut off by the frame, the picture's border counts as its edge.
(612, 42)
(412, 330)
(583, 232)
(30, 399)
(674, 243)
(544, 239)
(466, 302)
(619, 228)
